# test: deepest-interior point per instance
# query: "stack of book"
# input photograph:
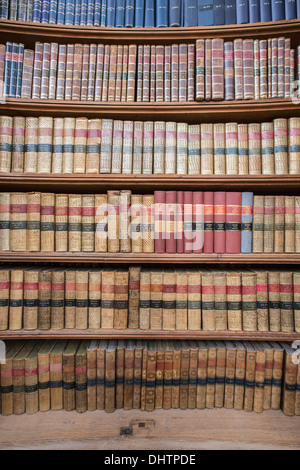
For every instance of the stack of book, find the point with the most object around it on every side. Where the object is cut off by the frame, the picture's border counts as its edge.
(78, 145)
(149, 299)
(147, 375)
(163, 222)
(148, 13)
(210, 69)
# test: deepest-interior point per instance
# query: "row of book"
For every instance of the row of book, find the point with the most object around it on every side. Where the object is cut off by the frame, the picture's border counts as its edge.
(91, 146)
(90, 375)
(143, 298)
(164, 222)
(148, 13)
(210, 69)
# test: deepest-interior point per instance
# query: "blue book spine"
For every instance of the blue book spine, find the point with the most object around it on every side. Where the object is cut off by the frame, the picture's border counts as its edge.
(265, 11)
(278, 13)
(205, 12)
(162, 13)
(21, 16)
(120, 13)
(90, 13)
(290, 9)
(4, 9)
(7, 68)
(83, 13)
(111, 13)
(77, 12)
(53, 12)
(298, 8)
(103, 13)
(182, 14)
(45, 11)
(247, 222)
(219, 12)
(139, 13)
(149, 14)
(254, 11)
(29, 10)
(129, 13)
(20, 70)
(230, 12)
(37, 11)
(13, 70)
(174, 12)
(70, 12)
(97, 13)
(61, 11)
(13, 9)
(190, 13)
(242, 11)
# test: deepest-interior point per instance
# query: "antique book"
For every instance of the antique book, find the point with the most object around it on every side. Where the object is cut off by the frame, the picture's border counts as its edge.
(129, 374)
(81, 377)
(18, 378)
(133, 296)
(113, 221)
(289, 381)
(4, 298)
(61, 222)
(234, 300)
(249, 375)
(100, 380)
(101, 215)
(260, 368)
(258, 224)
(289, 225)
(233, 222)
(156, 299)
(181, 314)
(70, 297)
(94, 298)
(44, 375)
(211, 374)
(75, 222)
(56, 375)
(124, 220)
(220, 374)
(202, 375)
(269, 223)
(262, 300)
(80, 145)
(107, 298)
(44, 299)
(31, 379)
(4, 221)
(30, 300)
(145, 297)
(15, 299)
(7, 378)
(194, 299)
(217, 61)
(57, 299)
(121, 299)
(220, 303)
(208, 300)
(243, 149)
(81, 312)
(169, 299)
(18, 222)
(110, 376)
(88, 223)
(57, 147)
(69, 375)
(239, 381)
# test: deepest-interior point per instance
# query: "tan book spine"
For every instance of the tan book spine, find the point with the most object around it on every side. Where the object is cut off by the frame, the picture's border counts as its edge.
(286, 302)
(289, 225)
(296, 285)
(118, 90)
(124, 221)
(88, 223)
(18, 222)
(117, 146)
(234, 301)
(81, 377)
(201, 375)
(18, 382)
(128, 376)
(113, 221)
(6, 127)
(211, 375)
(131, 83)
(112, 72)
(249, 380)
(136, 224)
(101, 214)
(279, 227)
(16, 299)
(101, 352)
(254, 135)
(274, 300)
(239, 386)
(150, 377)
(61, 222)
(144, 376)
(120, 373)
(297, 224)
(80, 144)
(75, 222)
(94, 287)
(207, 149)
(169, 300)
(124, 73)
(184, 375)
(232, 158)
(148, 223)
(56, 378)
(69, 376)
(82, 280)
(294, 142)
(93, 146)
(262, 301)
(31, 295)
(208, 301)
(107, 299)
(31, 144)
(260, 367)
(33, 221)
(267, 144)
(297, 398)
(281, 146)
(110, 377)
(269, 223)
(249, 301)
(219, 149)
(220, 300)
(44, 299)
(167, 375)
(277, 378)
(268, 378)
(220, 374)
(92, 376)
(68, 145)
(194, 300)
(181, 319)
(45, 132)
(57, 148)
(18, 142)
(145, 294)
(70, 298)
(47, 221)
(243, 149)
(289, 383)
(57, 300)
(31, 381)
(5, 221)
(156, 299)
(4, 298)
(7, 380)
(258, 224)
(121, 299)
(134, 296)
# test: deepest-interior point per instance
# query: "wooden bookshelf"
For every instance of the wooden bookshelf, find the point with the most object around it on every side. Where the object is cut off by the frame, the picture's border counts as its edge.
(190, 428)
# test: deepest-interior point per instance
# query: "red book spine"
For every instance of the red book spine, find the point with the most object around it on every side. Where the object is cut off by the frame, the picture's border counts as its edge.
(208, 201)
(170, 220)
(188, 222)
(179, 222)
(198, 222)
(233, 222)
(159, 221)
(219, 221)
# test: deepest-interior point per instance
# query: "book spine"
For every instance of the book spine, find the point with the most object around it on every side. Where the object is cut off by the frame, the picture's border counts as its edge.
(47, 221)
(239, 380)
(263, 68)
(121, 300)
(6, 142)
(294, 148)
(132, 56)
(234, 301)
(4, 221)
(149, 21)
(140, 65)
(267, 148)
(19, 70)
(75, 221)
(124, 221)
(94, 299)
(159, 147)
(30, 301)
(199, 222)
(191, 73)
(97, 12)
(53, 84)
(286, 302)
(249, 302)
(247, 222)
(52, 12)
(85, 72)
(148, 147)
(137, 147)
(182, 149)
(238, 69)
(31, 145)
(217, 69)
(4, 298)
(208, 301)
(259, 381)
(277, 379)
(174, 72)
(113, 221)
(112, 73)
(15, 300)
(249, 380)
(248, 68)
(120, 13)
(287, 67)
(44, 300)
(231, 142)
(18, 144)
(274, 68)
(45, 132)
(56, 382)
(139, 13)
(194, 300)
(200, 70)
(207, 149)
(159, 221)
(219, 221)
(268, 378)
(81, 382)
(70, 298)
(99, 72)
(243, 149)
(262, 301)
(129, 13)
(269, 224)
(208, 201)
(93, 146)
(101, 214)
(80, 145)
(220, 300)
(274, 300)
(202, 378)
(183, 75)
(77, 71)
(81, 312)
(27, 74)
(258, 224)
(90, 13)
(33, 221)
(181, 314)
(289, 225)
(61, 222)
(256, 70)
(159, 73)
(146, 73)
(148, 224)
(254, 134)
(133, 296)
(18, 222)
(88, 223)
(37, 70)
(69, 71)
(167, 74)
(229, 70)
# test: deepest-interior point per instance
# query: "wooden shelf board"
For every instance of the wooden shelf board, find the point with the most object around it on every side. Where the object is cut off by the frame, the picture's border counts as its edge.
(173, 429)
(150, 258)
(85, 182)
(30, 32)
(212, 111)
(149, 334)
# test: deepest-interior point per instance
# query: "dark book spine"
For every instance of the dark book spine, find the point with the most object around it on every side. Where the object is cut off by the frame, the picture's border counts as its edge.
(174, 12)
(162, 13)
(139, 13)
(129, 14)
(242, 11)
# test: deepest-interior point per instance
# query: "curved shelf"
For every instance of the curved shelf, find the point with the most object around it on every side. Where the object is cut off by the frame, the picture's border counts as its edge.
(30, 32)
(150, 334)
(150, 258)
(191, 112)
(83, 182)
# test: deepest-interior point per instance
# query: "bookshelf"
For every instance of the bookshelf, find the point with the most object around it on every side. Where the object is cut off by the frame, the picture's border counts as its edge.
(257, 430)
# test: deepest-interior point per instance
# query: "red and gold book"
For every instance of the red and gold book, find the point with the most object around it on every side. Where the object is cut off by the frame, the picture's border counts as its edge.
(188, 222)
(200, 70)
(77, 71)
(217, 65)
(219, 221)
(248, 69)
(233, 222)
(198, 221)
(174, 72)
(170, 220)
(159, 221)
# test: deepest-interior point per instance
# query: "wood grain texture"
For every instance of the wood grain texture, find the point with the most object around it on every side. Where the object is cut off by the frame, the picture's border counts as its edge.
(164, 429)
